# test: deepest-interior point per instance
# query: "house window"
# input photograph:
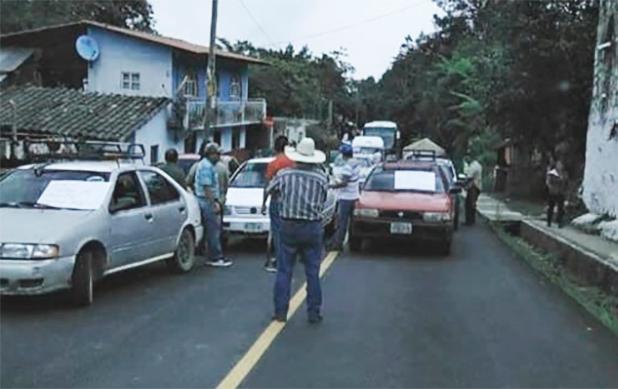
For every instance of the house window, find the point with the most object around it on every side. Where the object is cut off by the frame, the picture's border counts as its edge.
(190, 88)
(236, 138)
(235, 88)
(154, 154)
(130, 81)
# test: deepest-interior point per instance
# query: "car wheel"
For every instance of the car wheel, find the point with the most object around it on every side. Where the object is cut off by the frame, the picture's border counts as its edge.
(184, 256)
(82, 290)
(355, 243)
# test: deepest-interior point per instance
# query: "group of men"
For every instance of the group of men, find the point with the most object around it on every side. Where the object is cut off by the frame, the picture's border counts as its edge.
(208, 179)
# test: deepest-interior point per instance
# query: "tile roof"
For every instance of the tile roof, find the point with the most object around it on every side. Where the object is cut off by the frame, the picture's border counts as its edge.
(73, 113)
(163, 40)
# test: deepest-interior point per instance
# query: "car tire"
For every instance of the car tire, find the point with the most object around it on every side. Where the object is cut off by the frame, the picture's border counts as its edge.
(82, 280)
(355, 243)
(184, 255)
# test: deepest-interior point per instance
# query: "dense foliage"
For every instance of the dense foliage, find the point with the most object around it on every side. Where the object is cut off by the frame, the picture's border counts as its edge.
(27, 14)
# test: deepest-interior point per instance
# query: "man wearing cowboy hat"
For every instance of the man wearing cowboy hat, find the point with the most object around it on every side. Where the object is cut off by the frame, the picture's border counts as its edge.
(302, 193)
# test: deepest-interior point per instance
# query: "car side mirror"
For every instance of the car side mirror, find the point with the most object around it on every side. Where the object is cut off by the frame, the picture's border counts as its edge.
(455, 190)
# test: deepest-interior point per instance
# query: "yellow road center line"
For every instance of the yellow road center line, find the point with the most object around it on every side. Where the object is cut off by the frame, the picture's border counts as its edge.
(242, 368)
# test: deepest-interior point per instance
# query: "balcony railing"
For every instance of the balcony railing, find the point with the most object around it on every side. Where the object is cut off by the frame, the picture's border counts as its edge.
(227, 113)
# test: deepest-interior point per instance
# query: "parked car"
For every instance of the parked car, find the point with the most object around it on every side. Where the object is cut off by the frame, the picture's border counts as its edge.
(242, 214)
(448, 168)
(69, 224)
(406, 200)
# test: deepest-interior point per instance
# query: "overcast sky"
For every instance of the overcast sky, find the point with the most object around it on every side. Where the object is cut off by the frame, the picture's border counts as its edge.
(371, 31)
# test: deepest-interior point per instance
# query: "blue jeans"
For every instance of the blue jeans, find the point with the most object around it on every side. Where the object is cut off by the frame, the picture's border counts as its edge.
(275, 225)
(212, 223)
(305, 239)
(344, 214)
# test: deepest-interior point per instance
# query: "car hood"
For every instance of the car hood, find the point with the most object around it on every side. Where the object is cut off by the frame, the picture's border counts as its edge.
(405, 201)
(40, 225)
(244, 197)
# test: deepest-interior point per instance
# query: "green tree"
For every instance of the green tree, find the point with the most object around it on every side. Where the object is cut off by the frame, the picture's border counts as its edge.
(28, 14)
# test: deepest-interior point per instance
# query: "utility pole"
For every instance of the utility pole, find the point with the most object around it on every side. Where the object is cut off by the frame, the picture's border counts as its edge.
(211, 81)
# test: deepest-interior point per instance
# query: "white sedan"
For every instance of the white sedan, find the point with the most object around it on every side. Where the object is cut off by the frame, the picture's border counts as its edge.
(242, 214)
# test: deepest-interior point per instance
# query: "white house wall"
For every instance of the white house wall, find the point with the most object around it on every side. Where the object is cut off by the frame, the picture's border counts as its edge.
(120, 53)
(601, 171)
(155, 133)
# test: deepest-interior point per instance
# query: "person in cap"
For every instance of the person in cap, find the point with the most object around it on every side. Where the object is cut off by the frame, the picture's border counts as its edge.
(280, 162)
(348, 183)
(302, 192)
(556, 181)
(208, 193)
(172, 169)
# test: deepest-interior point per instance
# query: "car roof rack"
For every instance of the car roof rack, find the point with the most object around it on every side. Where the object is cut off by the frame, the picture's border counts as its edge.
(53, 149)
(421, 154)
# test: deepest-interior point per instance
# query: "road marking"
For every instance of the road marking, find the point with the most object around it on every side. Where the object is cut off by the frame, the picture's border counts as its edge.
(242, 368)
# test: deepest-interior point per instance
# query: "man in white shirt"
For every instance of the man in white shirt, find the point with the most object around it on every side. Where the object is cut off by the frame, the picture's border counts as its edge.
(349, 192)
(474, 171)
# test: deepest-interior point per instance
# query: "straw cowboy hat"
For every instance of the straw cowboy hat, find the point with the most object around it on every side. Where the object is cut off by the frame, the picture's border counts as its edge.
(305, 152)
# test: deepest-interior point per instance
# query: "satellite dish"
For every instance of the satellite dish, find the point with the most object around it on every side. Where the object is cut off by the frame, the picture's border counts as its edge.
(87, 48)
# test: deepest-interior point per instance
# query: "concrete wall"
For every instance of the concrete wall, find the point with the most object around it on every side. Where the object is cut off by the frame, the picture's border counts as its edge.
(601, 171)
(120, 53)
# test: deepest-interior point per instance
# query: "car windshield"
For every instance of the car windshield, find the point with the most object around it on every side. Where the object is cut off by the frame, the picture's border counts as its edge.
(410, 180)
(252, 175)
(31, 188)
(387, 134)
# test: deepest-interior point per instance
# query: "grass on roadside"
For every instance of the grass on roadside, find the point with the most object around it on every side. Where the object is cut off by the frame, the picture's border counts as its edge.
(601, 305)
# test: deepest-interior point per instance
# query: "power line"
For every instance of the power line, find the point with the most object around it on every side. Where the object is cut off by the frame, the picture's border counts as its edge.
(259, 26)
(349, 26)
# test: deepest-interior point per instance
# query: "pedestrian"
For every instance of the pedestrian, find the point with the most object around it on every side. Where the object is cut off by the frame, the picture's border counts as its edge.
(302, 192)
(223, 175)
(474, 171)
(280, 162)
(556, 181)
(172, 169)
(348, 183)
(208, 194)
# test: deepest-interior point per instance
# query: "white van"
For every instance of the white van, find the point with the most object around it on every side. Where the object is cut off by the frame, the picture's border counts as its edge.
(368, 145)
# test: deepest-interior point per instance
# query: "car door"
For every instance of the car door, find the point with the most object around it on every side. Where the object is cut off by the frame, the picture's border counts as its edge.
(168, 209)
(131, 222)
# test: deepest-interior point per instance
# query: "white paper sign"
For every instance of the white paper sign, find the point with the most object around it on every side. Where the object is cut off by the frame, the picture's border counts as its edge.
(87, 195)
(415, 180)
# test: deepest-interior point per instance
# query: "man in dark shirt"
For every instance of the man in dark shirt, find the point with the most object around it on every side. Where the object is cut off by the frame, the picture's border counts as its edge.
(172, 169)
(302, 192)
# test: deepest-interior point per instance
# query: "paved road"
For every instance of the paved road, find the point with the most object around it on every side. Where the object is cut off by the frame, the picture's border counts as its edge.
(478, 318)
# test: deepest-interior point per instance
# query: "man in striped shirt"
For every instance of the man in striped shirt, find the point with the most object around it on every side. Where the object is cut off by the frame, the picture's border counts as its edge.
(302, 192)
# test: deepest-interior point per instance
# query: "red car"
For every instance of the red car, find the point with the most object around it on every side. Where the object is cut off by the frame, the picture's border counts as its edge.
(406, 200)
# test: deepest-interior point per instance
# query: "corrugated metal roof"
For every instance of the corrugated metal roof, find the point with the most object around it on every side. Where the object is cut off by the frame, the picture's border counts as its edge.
(163, 40)
(12, 57)
(73, 113)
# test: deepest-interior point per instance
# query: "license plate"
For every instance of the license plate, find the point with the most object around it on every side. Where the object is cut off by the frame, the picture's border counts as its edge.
(401, 228)
(253, 227)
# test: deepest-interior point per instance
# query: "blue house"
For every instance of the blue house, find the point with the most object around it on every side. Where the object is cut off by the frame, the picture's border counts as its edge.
(141, 64)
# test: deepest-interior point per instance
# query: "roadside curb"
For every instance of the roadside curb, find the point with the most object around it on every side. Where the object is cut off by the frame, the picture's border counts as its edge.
(587, 267)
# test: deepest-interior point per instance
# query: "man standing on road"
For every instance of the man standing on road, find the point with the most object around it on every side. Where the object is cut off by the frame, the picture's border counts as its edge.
(172, 169)
(302, 193)
(474, 171)
(280, 162)
(349, 193)
(208, 194)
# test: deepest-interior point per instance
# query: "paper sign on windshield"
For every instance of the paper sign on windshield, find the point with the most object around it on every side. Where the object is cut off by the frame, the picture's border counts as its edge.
(74, 194)
(415, 180)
